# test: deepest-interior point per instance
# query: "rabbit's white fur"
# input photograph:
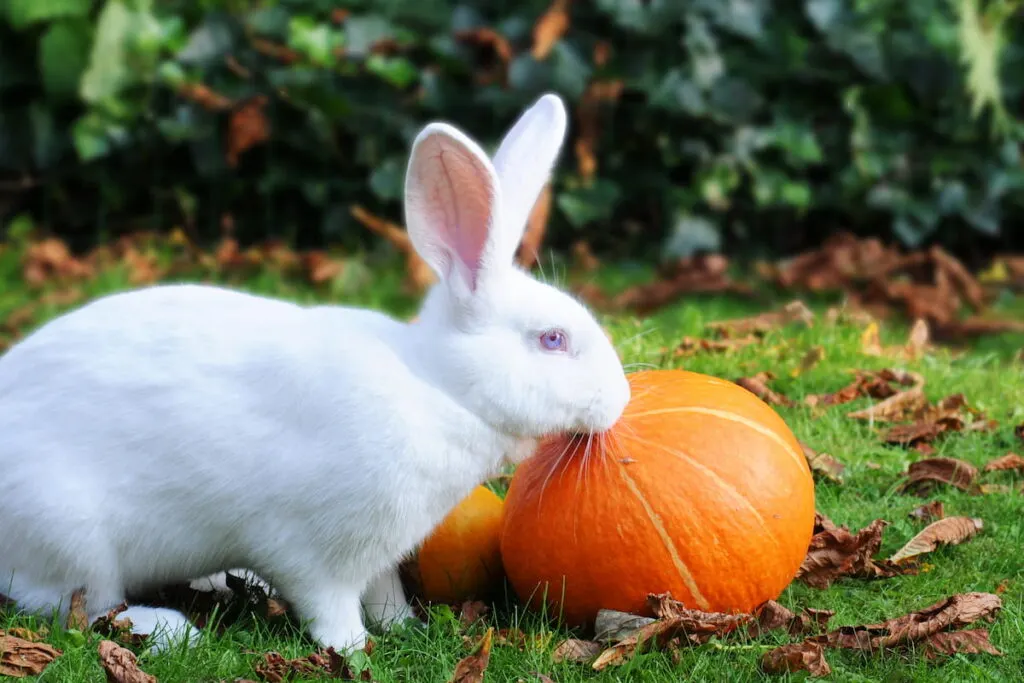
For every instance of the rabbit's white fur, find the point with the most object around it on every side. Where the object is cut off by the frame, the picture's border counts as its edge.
(177, 431)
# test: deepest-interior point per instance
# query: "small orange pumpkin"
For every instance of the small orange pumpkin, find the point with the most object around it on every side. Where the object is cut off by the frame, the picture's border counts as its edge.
(700, 490)
(461, 559)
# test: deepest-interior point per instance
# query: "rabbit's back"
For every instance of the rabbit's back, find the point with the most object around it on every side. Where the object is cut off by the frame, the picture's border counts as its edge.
(183, 422)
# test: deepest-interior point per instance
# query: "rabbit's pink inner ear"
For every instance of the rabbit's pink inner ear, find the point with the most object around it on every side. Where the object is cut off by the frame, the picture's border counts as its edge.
(458, 198)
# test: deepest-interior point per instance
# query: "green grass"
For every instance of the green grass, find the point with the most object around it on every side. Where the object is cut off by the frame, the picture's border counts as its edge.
(986, 375)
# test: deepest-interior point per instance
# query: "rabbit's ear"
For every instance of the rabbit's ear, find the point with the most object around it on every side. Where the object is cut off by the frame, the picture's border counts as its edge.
(452, 201)
(523, 163)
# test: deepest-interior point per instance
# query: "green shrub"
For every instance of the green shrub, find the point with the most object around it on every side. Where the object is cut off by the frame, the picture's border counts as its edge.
(738, 124)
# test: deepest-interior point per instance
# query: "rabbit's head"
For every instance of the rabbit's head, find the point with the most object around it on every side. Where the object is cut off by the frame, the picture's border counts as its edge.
(526, 357)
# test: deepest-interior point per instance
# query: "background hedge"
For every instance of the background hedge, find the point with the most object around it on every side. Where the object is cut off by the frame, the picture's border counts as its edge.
(740, 125)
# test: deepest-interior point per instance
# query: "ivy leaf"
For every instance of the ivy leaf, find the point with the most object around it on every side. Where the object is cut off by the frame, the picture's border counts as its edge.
(23, 13)
(63, 52)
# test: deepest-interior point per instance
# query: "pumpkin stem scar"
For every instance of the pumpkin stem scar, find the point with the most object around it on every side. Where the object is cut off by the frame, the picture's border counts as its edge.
(800, 460)
(659, 527)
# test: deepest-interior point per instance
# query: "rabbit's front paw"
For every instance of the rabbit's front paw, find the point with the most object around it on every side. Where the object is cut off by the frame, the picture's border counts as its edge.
(334, 614)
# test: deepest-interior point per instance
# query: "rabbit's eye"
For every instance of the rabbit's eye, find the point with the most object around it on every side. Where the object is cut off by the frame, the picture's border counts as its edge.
(553, 340)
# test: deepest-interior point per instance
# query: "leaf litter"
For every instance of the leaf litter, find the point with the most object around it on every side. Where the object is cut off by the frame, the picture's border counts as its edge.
(938, 629)
(835, 552)
(947, 531)
(24, 656)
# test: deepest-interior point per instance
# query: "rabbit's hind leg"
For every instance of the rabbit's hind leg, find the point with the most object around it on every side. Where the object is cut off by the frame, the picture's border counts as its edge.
(165, 627)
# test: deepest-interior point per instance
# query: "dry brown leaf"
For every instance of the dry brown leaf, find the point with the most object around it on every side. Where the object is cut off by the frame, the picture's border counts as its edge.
(952, 613)
(588, 119)
(320, 267)
(689, 345)
(276, 669)
(793, 312)
(204, 96)
(576, 651)
(77, 617)
(704, 273)
(917, 341)
(50, 259)
(472, 611)
(948, 531)
(536, 226)
(897, 406)
(972, 642)
(419, 275)
(923, 475)
(247, 127)
(675, 621)
(835, 552)
(495, 50)
(929, 511)
(20, 658)
(550, 28)
(584, 257)
(471, 669)
(1010, 461)
(758, 385)
(804, 656)
(771, 616)
(823, 464)
(120, 664)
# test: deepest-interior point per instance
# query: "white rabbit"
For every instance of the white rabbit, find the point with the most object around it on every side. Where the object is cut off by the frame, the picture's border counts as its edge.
(176, 431)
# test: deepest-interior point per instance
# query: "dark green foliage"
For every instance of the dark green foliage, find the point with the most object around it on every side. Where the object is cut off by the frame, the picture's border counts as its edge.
(740, 124)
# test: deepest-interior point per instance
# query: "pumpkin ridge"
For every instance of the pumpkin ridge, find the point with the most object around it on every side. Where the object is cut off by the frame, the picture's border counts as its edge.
(733, 417)
(718, 480)
(666, 540)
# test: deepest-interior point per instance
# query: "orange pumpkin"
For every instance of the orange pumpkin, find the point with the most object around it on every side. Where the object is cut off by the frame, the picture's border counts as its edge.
(461, 559)
(700, 490)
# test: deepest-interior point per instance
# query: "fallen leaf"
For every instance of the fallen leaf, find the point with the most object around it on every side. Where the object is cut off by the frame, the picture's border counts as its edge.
(550, 28)
(471, 668)
(929, 511)
(923, 475)
(276, 669)
(20, 658)
(1003, 586)
(803, 656)
(917, 341)
(576, 651)
(77, 617)
(835, 552)
(971, 642)
(897, 406)
(536, 226)
(793, 312)
(588, 113)
(823, 464)
(419, 275)
(704, 273)
(120, 664)
(689, 345)
(952, 613)
(247, 127)
(814, 355)
(1010, 461)
(948, 531)
(611, 625)
(771, 616)
(472, 611)
(674, 621)
(584, 257)
(494, 49)
(758, 385)
(990, 489)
